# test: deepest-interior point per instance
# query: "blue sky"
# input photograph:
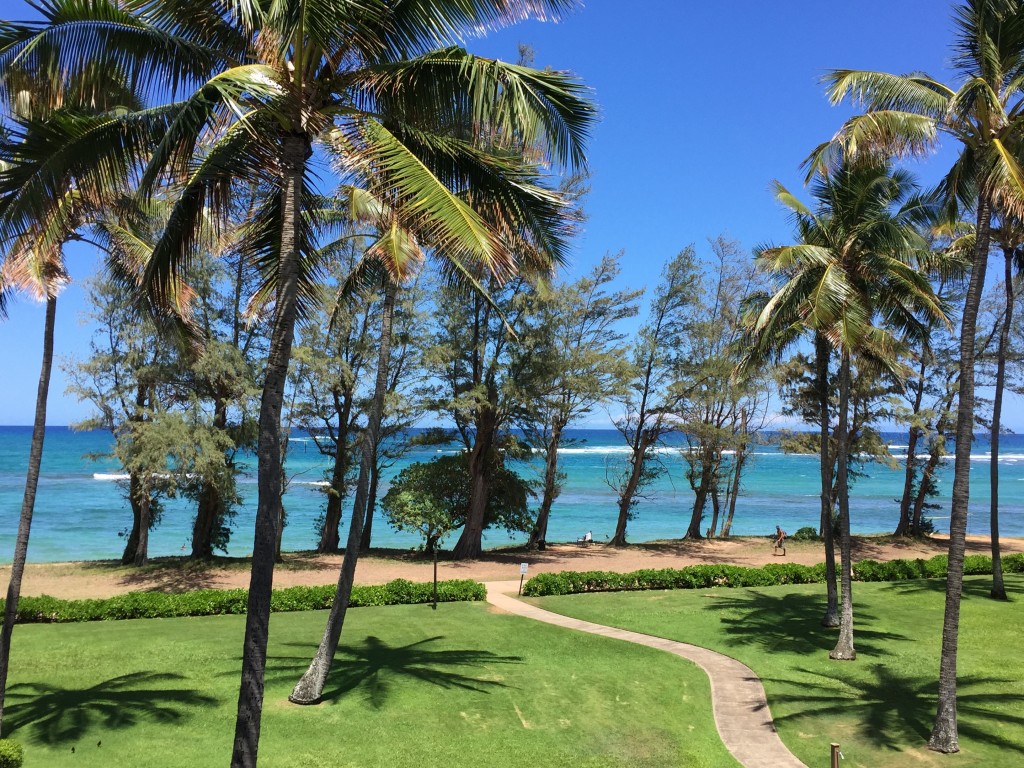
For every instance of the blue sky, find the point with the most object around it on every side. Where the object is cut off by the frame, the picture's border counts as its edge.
(702, 105)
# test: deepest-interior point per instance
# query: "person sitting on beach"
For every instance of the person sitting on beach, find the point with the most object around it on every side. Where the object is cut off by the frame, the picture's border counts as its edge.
(780, 540)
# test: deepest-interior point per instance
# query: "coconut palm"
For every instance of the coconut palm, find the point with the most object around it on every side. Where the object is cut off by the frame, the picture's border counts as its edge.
(32, 256)
(426, 128)
(851, 281)
(905, 114)
(1010, 239)
(35, 266)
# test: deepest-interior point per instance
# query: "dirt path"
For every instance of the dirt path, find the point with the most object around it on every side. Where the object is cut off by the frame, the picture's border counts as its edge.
(106, 578)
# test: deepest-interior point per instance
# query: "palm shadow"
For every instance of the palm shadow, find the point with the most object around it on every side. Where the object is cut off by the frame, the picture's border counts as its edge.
(49, 714)
(784, 621)
(892, 710)
(373, 668)
(972, 587)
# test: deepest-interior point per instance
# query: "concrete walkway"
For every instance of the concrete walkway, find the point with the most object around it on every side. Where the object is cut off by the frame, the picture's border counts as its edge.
(737, 696)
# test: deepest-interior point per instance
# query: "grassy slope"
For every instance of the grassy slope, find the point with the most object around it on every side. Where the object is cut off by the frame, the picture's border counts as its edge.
(459, 687)
(879, 707)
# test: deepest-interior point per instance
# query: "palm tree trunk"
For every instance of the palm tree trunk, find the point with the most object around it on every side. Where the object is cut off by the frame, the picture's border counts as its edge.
(28, 503)
(822, 354)
(310, 687)
(998, 589)
(844, 646)
(944, 731)
(294, 151)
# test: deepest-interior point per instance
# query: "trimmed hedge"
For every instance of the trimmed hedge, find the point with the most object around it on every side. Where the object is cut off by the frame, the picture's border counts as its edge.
(703, 576)
(11, 754)
(215, 602)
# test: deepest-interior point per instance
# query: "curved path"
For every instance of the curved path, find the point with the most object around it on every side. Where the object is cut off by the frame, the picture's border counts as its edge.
(737, 696)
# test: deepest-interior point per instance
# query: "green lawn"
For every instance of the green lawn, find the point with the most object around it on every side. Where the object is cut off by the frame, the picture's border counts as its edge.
(880, 707)
(459, 687)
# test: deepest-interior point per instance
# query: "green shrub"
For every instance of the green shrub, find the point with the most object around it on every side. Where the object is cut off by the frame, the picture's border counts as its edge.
(11, 754)
(214, 602)
(705, 576)
(807, 533)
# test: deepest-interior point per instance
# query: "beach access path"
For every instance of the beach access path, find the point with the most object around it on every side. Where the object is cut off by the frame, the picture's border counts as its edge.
(738, 700)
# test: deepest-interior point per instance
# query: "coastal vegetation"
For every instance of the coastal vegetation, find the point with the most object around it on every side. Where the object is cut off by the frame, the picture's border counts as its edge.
(329, 216)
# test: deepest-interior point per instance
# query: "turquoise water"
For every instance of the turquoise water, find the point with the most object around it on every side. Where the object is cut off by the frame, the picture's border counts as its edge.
(80, 508)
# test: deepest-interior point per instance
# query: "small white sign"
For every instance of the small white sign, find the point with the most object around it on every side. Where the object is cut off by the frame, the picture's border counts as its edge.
(523, 567)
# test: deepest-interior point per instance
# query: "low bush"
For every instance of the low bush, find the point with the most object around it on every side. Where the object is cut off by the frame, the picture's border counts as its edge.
(807, 533)
(704, 576)
(214, 602)
(11, 754)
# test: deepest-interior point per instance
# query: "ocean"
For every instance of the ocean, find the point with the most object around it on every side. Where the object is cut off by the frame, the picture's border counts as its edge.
(81, 513)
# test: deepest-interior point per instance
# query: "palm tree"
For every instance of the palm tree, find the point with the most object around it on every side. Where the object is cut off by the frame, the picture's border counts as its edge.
(34, 264)
(36, 267)
(1009, 238)
(905, 115)
(851, 268)
(425, 128)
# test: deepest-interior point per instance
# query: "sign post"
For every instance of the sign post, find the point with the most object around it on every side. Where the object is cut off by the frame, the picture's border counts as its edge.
(522, 575)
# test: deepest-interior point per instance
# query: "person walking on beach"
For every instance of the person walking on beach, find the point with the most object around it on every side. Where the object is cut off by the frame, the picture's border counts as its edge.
(780, 541)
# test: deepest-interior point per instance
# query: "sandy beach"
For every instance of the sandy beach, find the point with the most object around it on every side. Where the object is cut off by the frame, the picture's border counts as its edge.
(106, 578)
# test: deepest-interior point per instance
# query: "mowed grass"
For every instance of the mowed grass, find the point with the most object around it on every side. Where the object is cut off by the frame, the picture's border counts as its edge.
(880, 708)
(462, 686)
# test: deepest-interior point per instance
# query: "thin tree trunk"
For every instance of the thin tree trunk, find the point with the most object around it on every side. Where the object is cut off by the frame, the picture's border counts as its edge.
(540, 527)
(310, 687)
(330, 536)
(903, 527)
(944, 732)
(626, 497)
(210, 509)
(844, 646)
(28, 502)
(922, 492)
(998, 591)
(822, 354)
(145, 521)
(469, 545)
(707, 471)
(132, 544)
(295, 149)
(371, 504)
(739, 458)
(716, 508)
(330, 539)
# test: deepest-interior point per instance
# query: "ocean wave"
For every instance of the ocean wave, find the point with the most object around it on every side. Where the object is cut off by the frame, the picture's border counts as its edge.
(110, 476)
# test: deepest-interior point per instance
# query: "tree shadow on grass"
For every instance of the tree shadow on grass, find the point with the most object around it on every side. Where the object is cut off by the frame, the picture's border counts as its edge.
(52, 715)
(893, 711)
(979, 587)
(373, 668)
(790, 622)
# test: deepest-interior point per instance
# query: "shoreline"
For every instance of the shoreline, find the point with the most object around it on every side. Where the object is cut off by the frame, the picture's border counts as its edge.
(105, 578)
